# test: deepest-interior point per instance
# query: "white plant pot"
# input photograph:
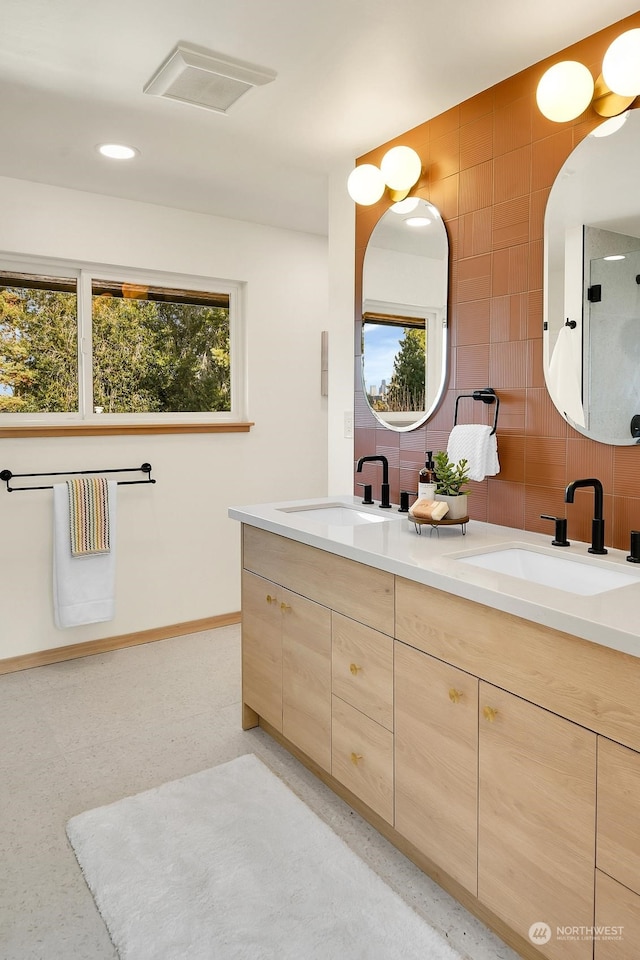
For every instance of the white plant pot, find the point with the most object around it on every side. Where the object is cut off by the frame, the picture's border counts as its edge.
(458, 506)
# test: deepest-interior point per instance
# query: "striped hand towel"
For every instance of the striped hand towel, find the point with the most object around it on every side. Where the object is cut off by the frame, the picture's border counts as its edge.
(88, 516)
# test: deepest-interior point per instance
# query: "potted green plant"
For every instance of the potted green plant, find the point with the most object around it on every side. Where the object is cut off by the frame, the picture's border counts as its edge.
(451, 484)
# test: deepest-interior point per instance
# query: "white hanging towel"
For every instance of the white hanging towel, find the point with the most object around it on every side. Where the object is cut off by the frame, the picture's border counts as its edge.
(84, 585)
(475, 443)
(565, 374)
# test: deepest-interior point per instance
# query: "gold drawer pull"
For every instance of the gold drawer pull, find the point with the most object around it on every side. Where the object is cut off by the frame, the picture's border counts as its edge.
(490, 713)
(271, 599)
(353, 667)
(285, 606)
(454, 695)
(355, 758)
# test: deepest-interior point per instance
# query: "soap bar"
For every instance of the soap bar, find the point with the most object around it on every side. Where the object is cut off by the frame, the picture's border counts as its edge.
(429, 510)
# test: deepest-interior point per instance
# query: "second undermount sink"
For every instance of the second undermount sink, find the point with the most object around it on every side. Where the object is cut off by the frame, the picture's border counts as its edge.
(573, 574)
(335, 514)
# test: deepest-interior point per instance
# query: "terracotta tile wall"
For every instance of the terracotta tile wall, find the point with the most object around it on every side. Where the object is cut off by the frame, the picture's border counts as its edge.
(489, 165)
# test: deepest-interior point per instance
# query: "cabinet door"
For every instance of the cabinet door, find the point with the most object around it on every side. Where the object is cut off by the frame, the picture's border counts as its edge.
(617, 932)
(262, 648)
(306, 676)
(618, 844)
(436, 757)
(536, 822)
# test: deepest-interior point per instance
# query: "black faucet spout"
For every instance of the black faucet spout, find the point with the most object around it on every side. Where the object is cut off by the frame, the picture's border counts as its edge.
(597, 524)
(384, 494)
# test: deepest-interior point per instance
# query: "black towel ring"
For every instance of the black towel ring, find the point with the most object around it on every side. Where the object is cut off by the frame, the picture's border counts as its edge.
(487, 395)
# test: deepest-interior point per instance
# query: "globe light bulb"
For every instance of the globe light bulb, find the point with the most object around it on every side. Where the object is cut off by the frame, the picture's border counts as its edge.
(365, 184)
(401, 168)
(565, 91)
(621, 64)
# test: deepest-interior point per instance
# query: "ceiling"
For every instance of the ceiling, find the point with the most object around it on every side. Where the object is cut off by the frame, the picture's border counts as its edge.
(351, 74)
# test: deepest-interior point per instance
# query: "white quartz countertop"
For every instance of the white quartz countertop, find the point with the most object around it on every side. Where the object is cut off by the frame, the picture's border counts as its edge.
(610, 618)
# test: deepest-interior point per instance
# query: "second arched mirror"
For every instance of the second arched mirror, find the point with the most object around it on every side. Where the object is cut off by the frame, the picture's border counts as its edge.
(404, 314)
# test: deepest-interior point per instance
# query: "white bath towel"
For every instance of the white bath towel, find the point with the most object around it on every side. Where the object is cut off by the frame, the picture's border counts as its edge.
(83, 587)
(475, 443)
(565, 374)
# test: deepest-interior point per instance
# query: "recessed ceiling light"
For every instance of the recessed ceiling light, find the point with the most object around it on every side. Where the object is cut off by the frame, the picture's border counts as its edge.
(417, 221)
(117, 151)
(618, 256)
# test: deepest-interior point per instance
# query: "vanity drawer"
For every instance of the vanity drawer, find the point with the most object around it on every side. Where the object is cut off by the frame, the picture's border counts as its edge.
(355, 589)
(362, 668)
(362, 757)
(618, 838)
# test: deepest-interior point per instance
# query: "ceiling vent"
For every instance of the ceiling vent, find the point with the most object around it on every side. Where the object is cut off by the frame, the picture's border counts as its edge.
(205, 79)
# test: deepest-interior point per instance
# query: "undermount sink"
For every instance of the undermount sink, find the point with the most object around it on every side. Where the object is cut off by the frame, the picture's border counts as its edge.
(573, 574)
(335, 514)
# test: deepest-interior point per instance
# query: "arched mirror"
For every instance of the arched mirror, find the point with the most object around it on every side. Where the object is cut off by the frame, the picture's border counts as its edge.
(591, 337)
(404, 314)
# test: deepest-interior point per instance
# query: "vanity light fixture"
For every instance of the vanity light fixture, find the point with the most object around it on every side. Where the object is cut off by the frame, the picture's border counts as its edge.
(117, 151)
(399, 171)
(567, 89)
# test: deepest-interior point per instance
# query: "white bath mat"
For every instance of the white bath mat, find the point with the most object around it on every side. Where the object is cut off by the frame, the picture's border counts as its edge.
(229, 864)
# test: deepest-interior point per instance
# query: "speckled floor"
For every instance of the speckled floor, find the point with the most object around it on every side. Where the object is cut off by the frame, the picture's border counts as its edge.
(82, 733)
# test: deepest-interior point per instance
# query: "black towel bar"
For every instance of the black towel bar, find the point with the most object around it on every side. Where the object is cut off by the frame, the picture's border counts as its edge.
(7, 476)
(487, 395)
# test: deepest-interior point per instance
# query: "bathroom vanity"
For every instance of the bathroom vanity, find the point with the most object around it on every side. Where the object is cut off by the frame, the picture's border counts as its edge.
(485, 723)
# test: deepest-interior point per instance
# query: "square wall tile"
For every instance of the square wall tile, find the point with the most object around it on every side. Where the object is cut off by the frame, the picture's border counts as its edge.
(472, 322)
(512, 175)
(512, 126)
(476, 187)
(508, 364)
(543, 500)
(626, 472)
(548, 156)
(545, 462)
(588, 459)
(505, 503)
(476, 142)
(472, 367)
(543, 420)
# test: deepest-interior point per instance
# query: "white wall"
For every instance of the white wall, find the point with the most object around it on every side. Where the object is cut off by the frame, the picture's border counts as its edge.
(178, 553)
(341, 329)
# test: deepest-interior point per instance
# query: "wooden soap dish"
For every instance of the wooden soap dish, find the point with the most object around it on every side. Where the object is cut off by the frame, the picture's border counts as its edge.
(434, 524)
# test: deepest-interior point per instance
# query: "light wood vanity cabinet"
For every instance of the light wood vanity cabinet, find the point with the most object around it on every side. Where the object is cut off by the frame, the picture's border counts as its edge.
(472, 738)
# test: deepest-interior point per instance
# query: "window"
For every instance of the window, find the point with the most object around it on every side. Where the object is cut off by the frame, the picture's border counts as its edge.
(86, 345)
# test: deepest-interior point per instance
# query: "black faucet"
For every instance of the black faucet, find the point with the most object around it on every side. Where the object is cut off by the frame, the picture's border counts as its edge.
(597, 524)
(384, 489)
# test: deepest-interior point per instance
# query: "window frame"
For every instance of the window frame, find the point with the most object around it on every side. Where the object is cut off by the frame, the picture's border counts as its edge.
(85, 421)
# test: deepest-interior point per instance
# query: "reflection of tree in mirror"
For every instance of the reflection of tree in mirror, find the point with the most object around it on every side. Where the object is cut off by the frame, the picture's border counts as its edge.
(406, 389)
